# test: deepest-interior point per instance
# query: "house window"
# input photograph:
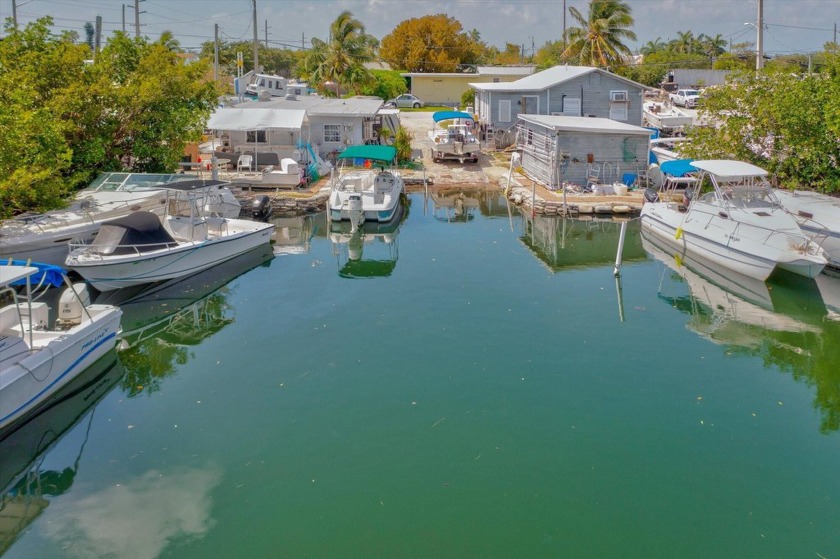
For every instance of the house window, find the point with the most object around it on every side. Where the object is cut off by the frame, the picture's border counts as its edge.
(504, 110)
(530, 104)
(497, 80)
(255, 136)
(571, 106)
(332, 133)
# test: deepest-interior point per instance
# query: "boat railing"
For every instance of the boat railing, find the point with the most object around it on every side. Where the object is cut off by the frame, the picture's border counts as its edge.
(101, 251)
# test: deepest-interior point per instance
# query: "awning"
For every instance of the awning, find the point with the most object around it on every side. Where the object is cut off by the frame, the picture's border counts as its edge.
(235, 118)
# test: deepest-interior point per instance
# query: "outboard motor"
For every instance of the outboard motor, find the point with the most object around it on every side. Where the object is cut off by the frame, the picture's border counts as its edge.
(71, 304)
(651, 195)
(261, 207)
(355, 211)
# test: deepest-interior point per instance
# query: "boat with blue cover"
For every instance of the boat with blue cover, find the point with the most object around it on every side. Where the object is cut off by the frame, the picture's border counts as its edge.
(455, 139)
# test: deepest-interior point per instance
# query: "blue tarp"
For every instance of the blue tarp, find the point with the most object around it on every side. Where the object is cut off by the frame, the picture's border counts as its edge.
(450, 115)
(678, 167)
(53, 275)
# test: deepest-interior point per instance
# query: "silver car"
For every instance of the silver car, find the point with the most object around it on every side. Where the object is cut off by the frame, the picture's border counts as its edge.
(406, 101)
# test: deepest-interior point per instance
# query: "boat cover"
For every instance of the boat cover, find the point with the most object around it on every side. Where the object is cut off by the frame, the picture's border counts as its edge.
(678, 167)
(48, 274)
(450, 115)
(135, 232)
(374, 152)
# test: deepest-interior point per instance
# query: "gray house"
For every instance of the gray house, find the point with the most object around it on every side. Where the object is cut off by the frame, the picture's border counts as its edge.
(561, 90)
(581, 150)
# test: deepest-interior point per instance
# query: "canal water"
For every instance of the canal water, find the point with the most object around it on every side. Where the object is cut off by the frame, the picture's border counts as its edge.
(472, 383)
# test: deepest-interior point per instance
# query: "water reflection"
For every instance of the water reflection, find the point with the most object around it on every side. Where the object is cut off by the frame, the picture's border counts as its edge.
(161, 321)
(565, 243)
(25, 483)
(369, 252)
(293, 235)
(460, 204)
(786, 321)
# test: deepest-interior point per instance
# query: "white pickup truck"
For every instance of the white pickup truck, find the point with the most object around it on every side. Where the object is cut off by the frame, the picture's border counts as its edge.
(685, 98)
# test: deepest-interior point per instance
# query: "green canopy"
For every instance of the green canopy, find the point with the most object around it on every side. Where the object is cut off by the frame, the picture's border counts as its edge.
(374, 152)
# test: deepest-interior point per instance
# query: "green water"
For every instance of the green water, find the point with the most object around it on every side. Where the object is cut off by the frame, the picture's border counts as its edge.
(486, 389)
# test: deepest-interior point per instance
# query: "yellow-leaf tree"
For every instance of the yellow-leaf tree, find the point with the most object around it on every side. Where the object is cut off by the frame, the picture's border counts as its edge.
(435, 43)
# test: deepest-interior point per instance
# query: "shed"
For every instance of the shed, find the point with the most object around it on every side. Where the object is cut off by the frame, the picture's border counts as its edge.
(561, 90)
(577, 149)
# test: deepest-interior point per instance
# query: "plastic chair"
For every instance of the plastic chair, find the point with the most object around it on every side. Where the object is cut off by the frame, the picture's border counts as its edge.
(244, 162)
(629, 179)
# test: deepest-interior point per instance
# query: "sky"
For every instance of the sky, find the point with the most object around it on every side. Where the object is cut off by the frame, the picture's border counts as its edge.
(791, 26)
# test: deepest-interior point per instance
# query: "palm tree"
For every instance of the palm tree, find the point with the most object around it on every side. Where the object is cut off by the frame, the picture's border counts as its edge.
(652, 47)
(684, 41)
(167, 39)
(713, 46)
(341, 59)
(598, 39)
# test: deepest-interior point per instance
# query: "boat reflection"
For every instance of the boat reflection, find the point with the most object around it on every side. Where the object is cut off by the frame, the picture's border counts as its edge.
(566, 243)
(293, 234)
(379, 240)
(460, 204)
(161, 321)
(25, 483)
(785, 321)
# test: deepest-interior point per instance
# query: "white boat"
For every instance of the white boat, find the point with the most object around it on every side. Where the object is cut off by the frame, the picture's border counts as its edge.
(37, 359)
(45, 237)
(666, 149)
(371, 193)
(276, 86)
(143, 247)
(455, 140)
(739, 225)
(666, 118)
(818, 215)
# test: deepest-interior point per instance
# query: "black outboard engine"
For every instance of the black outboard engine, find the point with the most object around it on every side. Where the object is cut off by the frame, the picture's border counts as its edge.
(651, 195)
(261, 207)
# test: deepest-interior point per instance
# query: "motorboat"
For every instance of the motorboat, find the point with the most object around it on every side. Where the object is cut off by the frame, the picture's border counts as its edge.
(818, 215)
(39, 355)
(143, 247)
(44, 237)
(455, 140)
(739, 224)
(666, 118)
(666, 148)
(370, 193)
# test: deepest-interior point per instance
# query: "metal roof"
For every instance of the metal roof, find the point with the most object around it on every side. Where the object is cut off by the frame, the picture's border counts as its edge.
(585, 124)
(315, 105)
(548, 78)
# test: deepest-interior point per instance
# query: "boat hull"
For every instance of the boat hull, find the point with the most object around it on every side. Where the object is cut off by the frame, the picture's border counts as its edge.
(818, 215)
(28, 379)
(109, 273)
(725, 242)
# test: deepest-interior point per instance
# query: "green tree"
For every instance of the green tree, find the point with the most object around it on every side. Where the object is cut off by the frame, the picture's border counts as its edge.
(89, 34)
(433, 43)
(786, 123)
(598, 39)
(168, 40)
(341, 59)
(64, 121)
(652, 47)
(386, 84)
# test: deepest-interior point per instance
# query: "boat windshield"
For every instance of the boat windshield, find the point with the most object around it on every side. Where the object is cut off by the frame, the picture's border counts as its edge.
(746, 192)
(110, 182)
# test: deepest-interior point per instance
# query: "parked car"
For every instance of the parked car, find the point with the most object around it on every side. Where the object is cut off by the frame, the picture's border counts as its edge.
(405, 101)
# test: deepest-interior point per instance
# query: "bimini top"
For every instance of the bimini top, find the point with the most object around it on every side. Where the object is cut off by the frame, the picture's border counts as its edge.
(49, 274)
(678, 167)
(375, 153)
(450, 115)
(729, 168)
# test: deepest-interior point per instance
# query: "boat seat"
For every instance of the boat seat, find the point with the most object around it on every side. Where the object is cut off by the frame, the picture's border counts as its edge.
(185, 230)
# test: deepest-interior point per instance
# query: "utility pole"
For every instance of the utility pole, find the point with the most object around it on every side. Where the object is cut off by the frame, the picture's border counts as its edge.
(256, 40)
(98, 40)
(137, 13)
(216, 53)
(303, 39)
(759, 43)
(123, 18)
(266, 33)
(14, 13)
(564, 24)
